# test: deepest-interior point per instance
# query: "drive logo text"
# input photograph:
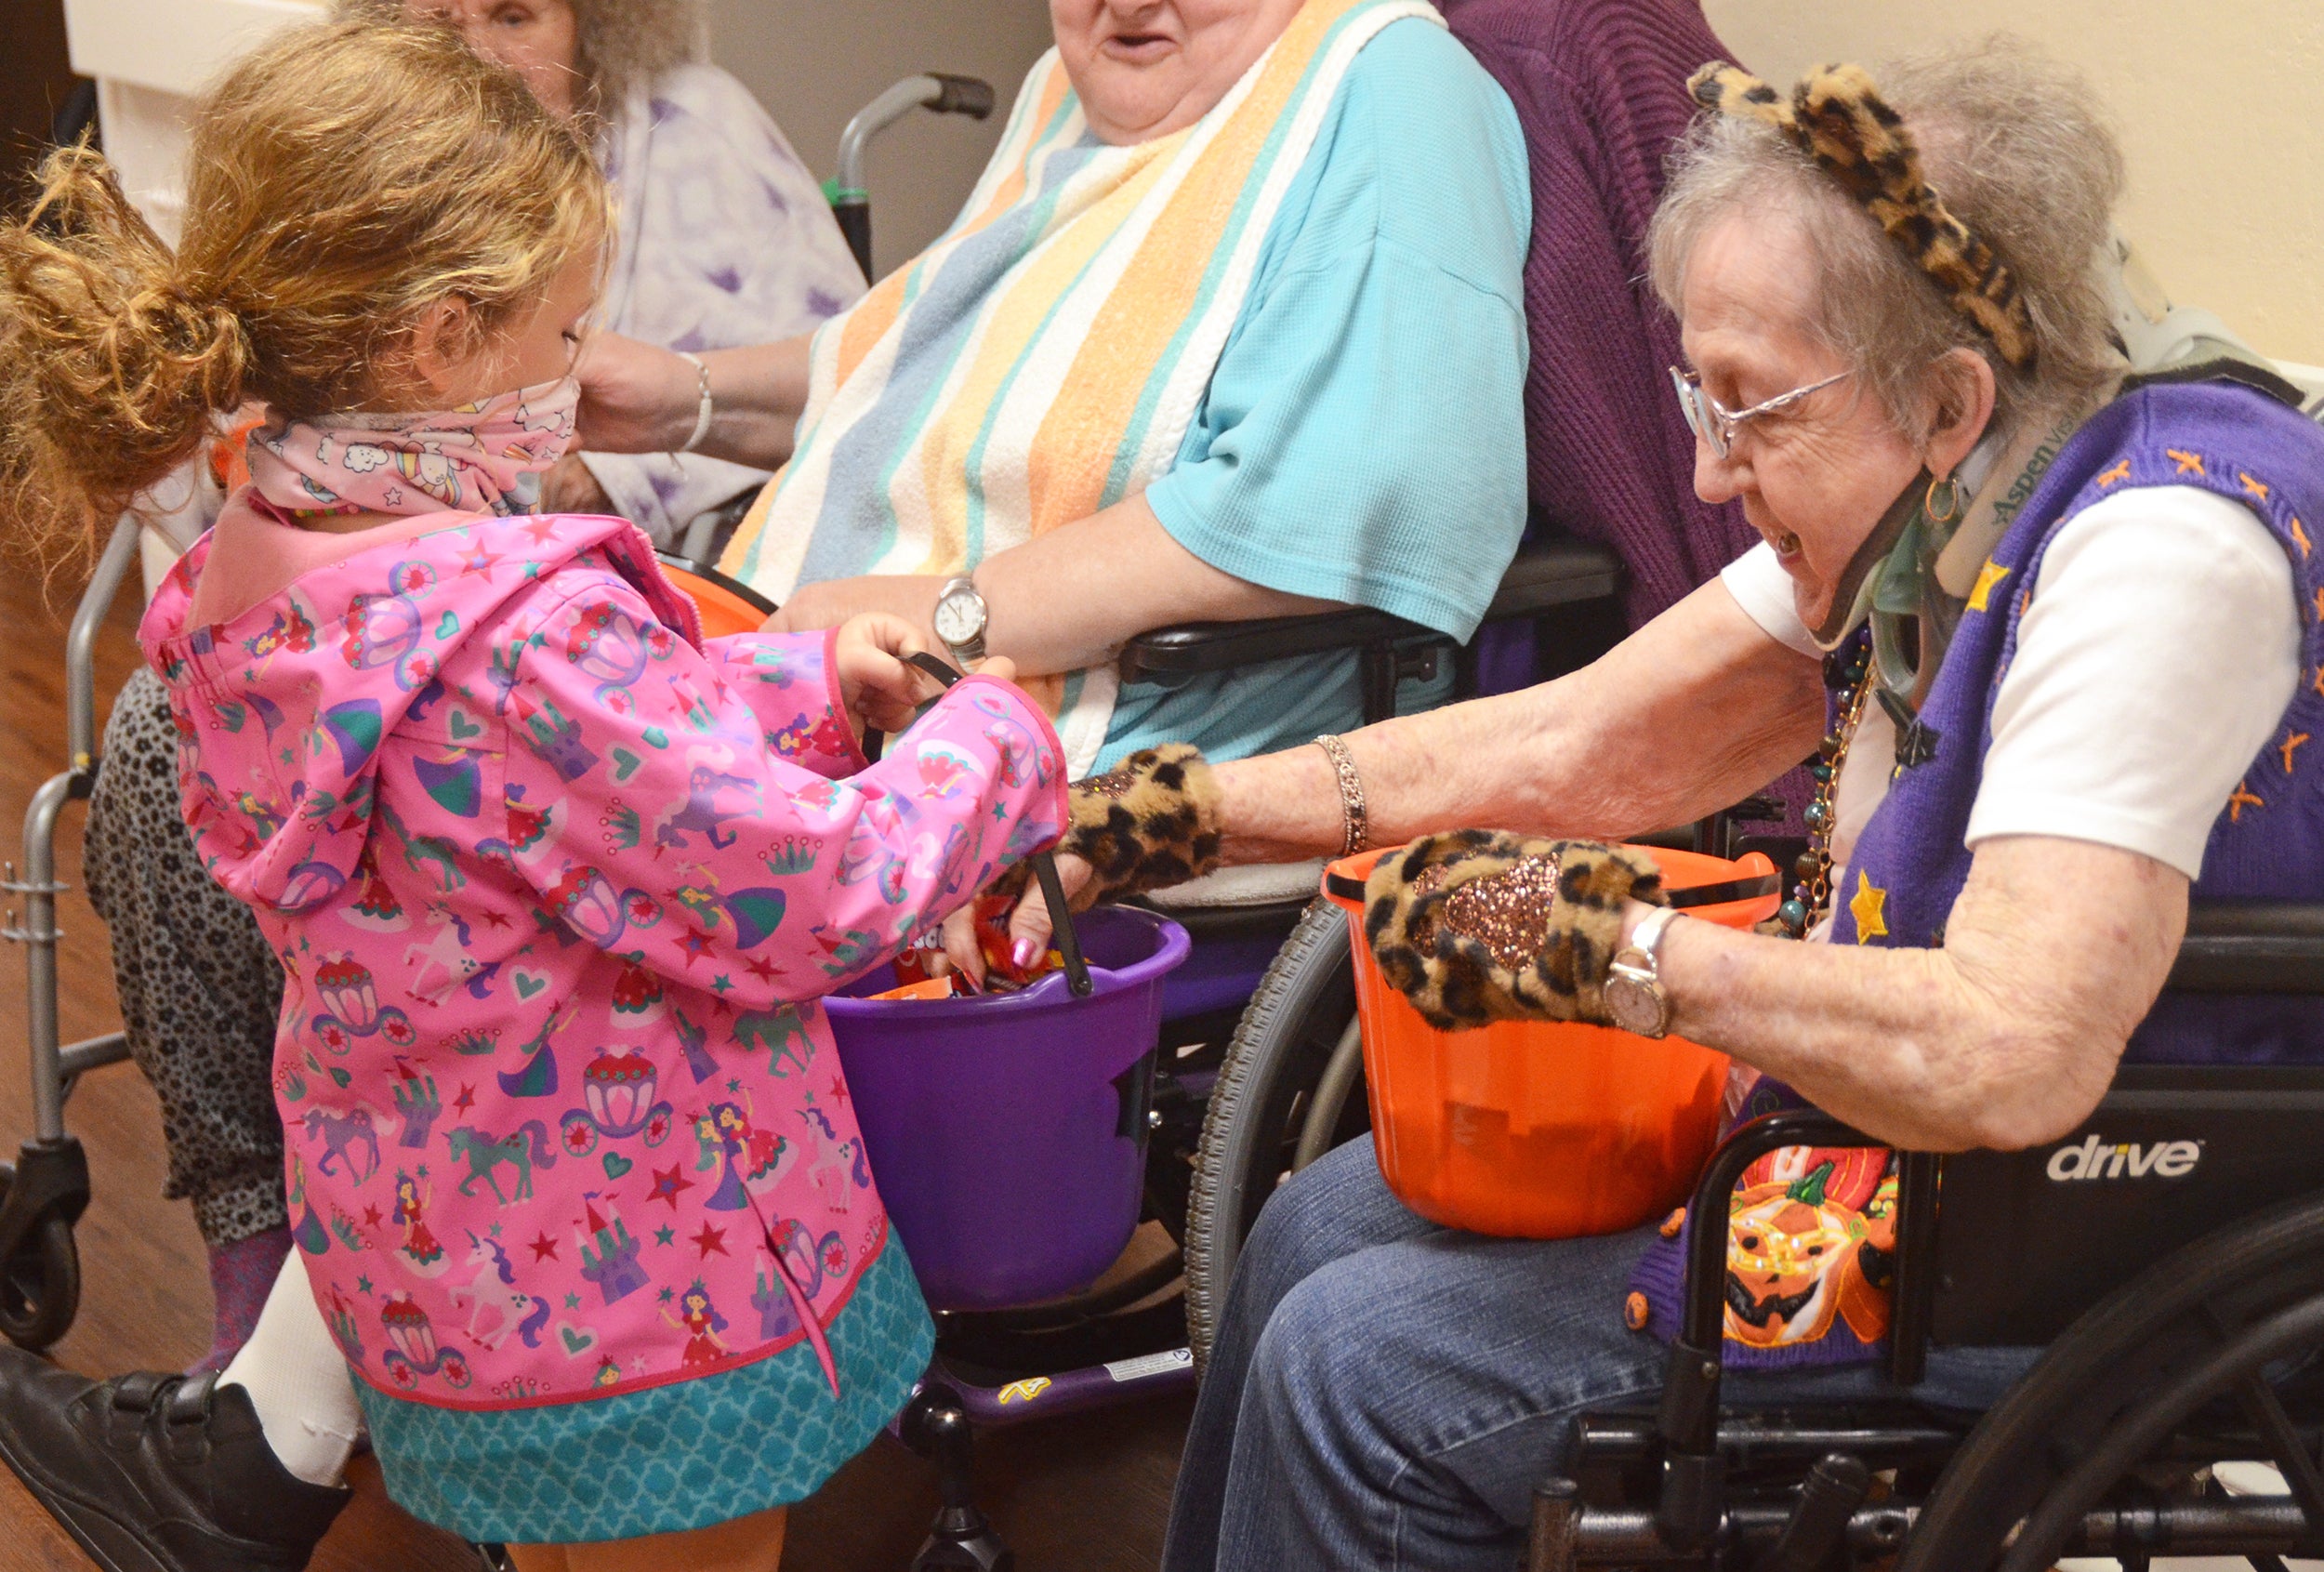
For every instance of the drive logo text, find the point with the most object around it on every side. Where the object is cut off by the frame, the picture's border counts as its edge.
(2098, 1158)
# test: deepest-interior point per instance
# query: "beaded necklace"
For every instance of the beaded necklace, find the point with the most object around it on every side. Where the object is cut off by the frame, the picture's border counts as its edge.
(1850, 670)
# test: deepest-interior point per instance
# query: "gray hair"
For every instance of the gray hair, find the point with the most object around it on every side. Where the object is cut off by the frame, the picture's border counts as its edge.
(2019, 150)
(632, 44)
(623, 44)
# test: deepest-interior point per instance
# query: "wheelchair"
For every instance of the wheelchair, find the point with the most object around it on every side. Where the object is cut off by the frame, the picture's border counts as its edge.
(2168, 1259)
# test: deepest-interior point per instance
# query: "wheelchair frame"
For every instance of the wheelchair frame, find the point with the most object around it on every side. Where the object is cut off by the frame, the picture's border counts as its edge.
(1662, 1488)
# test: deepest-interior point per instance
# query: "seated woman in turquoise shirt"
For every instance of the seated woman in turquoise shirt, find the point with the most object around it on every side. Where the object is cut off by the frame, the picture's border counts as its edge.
(1231, 328)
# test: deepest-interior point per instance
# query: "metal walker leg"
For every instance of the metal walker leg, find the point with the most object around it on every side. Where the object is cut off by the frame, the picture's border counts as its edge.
(47, 1187)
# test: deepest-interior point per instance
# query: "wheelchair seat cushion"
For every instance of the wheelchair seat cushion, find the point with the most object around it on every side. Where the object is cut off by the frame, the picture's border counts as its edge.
(1258, 884)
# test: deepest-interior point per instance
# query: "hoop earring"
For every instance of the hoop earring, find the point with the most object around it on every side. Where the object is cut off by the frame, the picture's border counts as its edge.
(1952, 501)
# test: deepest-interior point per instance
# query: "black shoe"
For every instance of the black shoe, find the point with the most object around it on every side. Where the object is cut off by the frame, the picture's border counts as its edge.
(158, 1473)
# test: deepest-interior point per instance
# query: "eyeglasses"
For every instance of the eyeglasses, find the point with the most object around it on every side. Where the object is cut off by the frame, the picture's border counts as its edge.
(1715, 423)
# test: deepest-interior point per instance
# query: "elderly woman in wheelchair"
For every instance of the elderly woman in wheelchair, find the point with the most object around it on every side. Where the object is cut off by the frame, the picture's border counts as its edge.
(1231, 328)
(2057, 627)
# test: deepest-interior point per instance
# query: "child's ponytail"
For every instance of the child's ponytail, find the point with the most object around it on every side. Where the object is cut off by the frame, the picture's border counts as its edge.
(341, 179)
(111, 366)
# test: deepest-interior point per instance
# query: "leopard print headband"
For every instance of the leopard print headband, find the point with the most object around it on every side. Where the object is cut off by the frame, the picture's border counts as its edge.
(1838, 119)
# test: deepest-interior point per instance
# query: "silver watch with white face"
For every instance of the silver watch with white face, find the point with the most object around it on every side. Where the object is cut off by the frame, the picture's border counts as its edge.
(960, 618)
(1634, 997)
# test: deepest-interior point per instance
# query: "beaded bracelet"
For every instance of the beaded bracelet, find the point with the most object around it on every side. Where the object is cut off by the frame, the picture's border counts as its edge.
(1358, 833)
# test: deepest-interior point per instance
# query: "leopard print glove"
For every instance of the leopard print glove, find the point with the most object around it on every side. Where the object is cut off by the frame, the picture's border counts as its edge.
(1476, 926)
(1150, 821)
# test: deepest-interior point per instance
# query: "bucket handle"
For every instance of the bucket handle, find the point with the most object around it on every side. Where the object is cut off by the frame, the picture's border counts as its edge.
(1044, 866)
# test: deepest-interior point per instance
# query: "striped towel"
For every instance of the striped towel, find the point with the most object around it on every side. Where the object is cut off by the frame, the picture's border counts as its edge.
(1043, 359)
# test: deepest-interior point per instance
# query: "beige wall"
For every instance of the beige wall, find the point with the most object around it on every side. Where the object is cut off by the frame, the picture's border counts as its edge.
(2217, 107)
(815, 62)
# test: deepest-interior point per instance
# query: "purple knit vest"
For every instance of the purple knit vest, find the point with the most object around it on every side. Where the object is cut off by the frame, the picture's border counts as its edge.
(1910, 862)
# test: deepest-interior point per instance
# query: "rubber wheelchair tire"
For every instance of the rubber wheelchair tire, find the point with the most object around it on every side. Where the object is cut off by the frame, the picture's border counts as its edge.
(1262, 1103)
(2135, 1365)
(40, 1286)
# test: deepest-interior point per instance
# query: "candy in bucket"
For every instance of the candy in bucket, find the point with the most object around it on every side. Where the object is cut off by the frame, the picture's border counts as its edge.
(991, 911)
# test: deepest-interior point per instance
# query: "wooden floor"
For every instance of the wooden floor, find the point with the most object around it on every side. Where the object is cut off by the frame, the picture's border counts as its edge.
(1086, 1494)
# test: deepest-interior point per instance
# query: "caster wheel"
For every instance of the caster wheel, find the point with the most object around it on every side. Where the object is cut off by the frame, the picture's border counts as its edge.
(40, 1286)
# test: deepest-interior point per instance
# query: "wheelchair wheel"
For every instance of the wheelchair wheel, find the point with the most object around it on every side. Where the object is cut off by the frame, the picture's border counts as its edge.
(40, 1286)
(2212, 1354)
(1289, 1090)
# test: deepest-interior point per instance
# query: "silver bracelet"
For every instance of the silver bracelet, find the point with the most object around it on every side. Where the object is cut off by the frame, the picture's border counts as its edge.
(1358, 833)
(702, 416)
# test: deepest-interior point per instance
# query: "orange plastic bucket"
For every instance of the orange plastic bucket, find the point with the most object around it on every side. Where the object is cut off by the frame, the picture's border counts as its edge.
(727, 607)
(1539, 1129)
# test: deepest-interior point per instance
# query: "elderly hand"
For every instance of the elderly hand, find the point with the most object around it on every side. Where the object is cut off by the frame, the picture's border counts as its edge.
(1150, 821)
(911, 597)
(1477, 926)
(569, 487)
(635, 397)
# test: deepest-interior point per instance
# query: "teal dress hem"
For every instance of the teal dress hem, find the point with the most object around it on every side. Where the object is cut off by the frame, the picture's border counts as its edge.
(669, 1458)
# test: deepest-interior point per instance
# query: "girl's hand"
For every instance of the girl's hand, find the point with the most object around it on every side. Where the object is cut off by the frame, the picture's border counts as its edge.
(877, 688)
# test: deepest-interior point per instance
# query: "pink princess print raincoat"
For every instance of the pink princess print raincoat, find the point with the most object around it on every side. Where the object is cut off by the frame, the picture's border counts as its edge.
(558, 885)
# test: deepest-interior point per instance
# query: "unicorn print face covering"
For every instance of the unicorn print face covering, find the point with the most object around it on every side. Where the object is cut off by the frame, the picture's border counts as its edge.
(483, 458)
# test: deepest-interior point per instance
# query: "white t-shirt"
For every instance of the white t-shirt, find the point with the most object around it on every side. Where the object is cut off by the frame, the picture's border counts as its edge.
(2161, 649)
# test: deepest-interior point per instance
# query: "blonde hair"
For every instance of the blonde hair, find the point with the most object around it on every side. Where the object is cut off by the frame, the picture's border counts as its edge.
(2022, 153)
(341, 179)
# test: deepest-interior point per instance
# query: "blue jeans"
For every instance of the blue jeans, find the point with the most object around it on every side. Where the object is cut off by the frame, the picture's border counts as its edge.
(1385, 1393)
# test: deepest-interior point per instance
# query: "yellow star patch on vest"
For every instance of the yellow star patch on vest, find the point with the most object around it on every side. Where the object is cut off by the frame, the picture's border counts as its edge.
(1868, 906)
(1988, 579)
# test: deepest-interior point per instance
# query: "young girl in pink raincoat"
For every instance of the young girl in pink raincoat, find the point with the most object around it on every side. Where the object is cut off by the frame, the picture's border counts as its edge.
(558, 884)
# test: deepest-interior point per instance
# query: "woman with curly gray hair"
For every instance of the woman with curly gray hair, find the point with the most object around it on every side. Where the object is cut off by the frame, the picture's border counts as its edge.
(2057, 618)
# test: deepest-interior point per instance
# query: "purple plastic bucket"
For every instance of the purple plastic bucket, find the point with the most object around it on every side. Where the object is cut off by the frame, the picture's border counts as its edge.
(996, 1125)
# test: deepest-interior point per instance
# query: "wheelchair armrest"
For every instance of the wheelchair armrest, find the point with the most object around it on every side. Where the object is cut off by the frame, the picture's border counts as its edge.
(2251, 947)
(1555, 571)
(1687, 1419)
(1169, 655)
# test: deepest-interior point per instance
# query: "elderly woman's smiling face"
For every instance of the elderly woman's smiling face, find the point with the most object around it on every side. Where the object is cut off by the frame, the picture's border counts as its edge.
(1147, 68)
(1816, 477)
